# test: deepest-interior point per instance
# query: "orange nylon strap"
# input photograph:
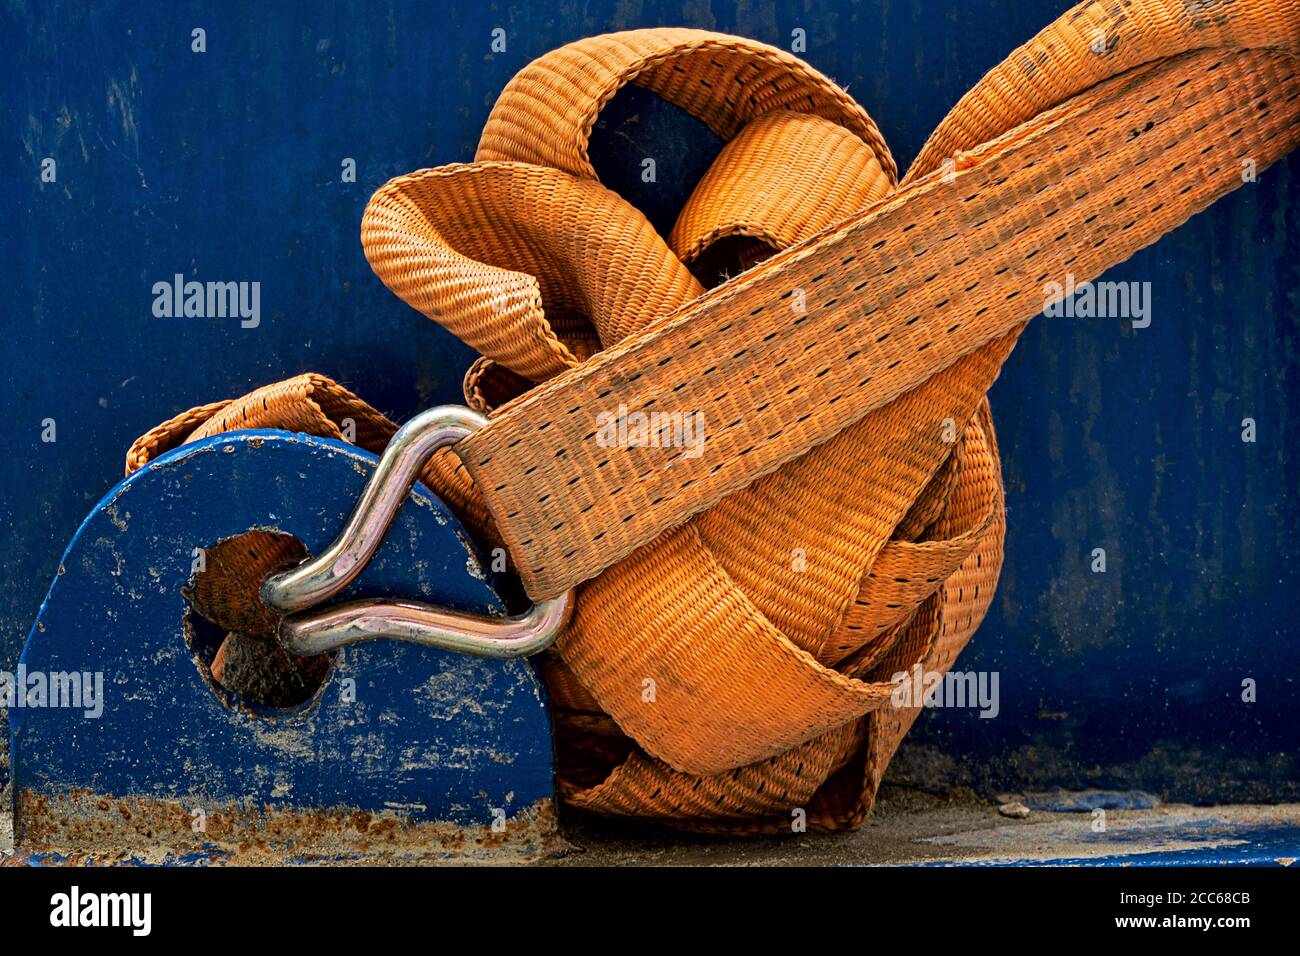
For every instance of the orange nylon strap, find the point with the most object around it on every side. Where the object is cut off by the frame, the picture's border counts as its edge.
(725, 671)
(892, 296)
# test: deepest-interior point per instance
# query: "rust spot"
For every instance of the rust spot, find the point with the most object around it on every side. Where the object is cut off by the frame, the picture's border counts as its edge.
(90, 827)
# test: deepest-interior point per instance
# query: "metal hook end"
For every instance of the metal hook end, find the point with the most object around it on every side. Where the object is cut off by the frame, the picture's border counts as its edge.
(295, 591)
(519, 635)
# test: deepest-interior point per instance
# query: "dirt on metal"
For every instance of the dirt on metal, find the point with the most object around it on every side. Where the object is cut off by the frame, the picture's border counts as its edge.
(83, 826)
(908, 827)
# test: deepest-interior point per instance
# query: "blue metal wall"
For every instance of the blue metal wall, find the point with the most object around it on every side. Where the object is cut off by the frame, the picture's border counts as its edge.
(226, 165)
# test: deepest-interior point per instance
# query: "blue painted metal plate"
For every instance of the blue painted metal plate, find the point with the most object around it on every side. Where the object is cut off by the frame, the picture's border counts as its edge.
(396, 730)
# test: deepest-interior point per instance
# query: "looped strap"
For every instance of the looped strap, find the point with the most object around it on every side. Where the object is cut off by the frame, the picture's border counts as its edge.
(749, 599)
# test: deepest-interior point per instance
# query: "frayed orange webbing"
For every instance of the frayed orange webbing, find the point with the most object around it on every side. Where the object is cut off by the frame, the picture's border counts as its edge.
(845, 512)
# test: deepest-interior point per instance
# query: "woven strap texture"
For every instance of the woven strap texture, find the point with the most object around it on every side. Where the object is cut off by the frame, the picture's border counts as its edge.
(743, 609)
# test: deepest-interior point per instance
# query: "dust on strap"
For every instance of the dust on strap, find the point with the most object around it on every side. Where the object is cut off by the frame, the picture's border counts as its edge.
(746, 599)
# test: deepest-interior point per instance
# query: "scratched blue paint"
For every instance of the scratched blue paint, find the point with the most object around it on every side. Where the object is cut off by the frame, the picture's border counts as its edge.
(225, 165)
(204, 857)
(1264, 846)
(438, 735)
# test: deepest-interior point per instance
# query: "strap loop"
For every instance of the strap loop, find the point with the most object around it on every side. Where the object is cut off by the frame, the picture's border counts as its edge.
(744, 610)
(890, 298)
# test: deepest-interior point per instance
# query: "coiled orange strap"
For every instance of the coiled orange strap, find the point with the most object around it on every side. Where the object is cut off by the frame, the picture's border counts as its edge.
(745, 608)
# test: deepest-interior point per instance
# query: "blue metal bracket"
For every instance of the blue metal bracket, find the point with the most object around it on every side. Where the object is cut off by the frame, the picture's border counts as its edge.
(403, 751)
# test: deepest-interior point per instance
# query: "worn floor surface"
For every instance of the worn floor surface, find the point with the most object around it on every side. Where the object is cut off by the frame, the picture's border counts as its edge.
(911, 827)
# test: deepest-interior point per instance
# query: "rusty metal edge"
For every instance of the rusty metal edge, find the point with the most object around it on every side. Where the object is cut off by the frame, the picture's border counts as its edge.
(81, 828)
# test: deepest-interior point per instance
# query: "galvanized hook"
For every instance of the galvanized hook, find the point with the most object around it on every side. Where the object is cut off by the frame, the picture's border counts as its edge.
(516, 636)
(294, 592)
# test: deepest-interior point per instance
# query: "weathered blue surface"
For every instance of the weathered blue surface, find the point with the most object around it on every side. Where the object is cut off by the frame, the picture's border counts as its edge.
(226, 165)
(1267, 847)
(436, 735)
(1261, 846)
